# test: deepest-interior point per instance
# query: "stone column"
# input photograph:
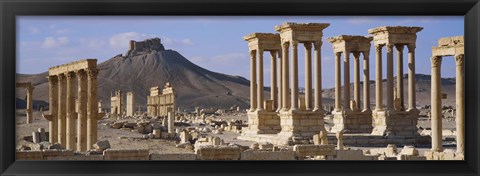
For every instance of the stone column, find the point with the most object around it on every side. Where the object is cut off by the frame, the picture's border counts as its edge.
(53, 105)
(260, 88)
(346, 81)
(70, 106)
(318, 75)
(460, 96)
(91, 108)
(171, 122)
(412, 104)
(285, 82)
(253, 80)
(280, 81)
(82, 111)
(29, 104)
(390, 76)
(62, 88)
(294, 75)
(273, 78)
(378, 79)
(400, 75)
(338, 96)
(356, 80)
(308, 75)
(436, 112)
(366, 81)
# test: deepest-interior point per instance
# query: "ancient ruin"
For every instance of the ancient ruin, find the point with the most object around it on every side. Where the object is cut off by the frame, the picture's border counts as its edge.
(449, 46)
(28, 86)
(158, 102)
(130, 104)
(116, 103)
(72, 130)
(389, 120)
(299, 120)
(350, 116)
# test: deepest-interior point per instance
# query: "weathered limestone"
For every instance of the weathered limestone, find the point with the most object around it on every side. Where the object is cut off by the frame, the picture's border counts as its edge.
(351, 118)
(73, 130)
(171, 122)
(126, 154)
(263, 119)
(388, 120)
(449, 46)
(302, 151)
(29, 88)
(158, 102)
(116, 103)
(267, 155)
(217, 152)
(130, 104)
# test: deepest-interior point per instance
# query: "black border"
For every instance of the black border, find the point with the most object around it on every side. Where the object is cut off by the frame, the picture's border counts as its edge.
(9, 9)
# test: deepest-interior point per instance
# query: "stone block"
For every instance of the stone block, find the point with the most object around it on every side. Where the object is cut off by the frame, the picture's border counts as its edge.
(313, 150)
(352, 155)
(57, 152)
(102, 145)
(409, 150)
(173, 156)
(267, 155)
(210, 152)
(42, 134)
(410, 157)
(126, 154)
(36, 137)
(76, 157)
(29, 155)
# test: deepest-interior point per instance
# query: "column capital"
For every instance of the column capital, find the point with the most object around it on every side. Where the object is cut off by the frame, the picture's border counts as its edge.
(378, 48)
(366, 54)
(81, 72)
(338, 54)
(411, 47)
(71, 75)
(436, 61)
(294, 43)
(285, 45)
(459, 59)
(399, 47)
(61, 77)
(273, 53)
(317, 44)
(253, 54)
(260, 51)
(390, 47)
(356, 55)
(53, 79)
(308, 45)
(92, 72)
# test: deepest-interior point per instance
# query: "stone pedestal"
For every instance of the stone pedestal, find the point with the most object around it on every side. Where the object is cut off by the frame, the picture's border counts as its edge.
(352, 122)
(395, 123)
(263, 122)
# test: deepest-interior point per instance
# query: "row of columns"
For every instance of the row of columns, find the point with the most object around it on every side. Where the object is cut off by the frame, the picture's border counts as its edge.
(346, 79)
(436, 99)
(390, 77)
(256, 77)
(62, 109)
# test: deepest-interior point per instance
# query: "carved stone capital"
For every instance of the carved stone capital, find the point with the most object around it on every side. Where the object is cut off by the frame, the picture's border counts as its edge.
(436, 61)
(411, 47)
(308, 45)
(285, 45)
(273, 54)
(356, 55)
(338, 54)
(399, 48)
(390, 48)
(53, 79)
(61, 77)
(92, 73)
(378, 48)
(294, 43)
(366, 54)
(71, 75)
(317, 44)
(253, 54)
(459, 59)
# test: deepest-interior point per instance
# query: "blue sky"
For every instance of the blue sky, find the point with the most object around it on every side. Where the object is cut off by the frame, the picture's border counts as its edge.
(215, 43)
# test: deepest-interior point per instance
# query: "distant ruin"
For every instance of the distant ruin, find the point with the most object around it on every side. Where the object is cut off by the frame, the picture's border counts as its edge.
(158, 103)
(153, 44)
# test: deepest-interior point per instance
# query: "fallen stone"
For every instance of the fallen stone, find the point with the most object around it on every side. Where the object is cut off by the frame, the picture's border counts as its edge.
(102, 145)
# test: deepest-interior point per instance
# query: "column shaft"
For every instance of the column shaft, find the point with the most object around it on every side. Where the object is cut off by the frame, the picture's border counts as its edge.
(294, 75)
(400, 75)
(378, 79)
(308, 75)
(412, 104)
(346, 81)
(390, 76)
(460, 96)
(285, 82)
(436, 111)
(260, 88)
(280, 81)
(356, 77)
(366, 80)
(70, 121)
(53, 105)
(82, 111)
(29, 105)
(62, 88)
(273, 78)
(91, 108)
(338, 90)
(253, 80)
(318, 75)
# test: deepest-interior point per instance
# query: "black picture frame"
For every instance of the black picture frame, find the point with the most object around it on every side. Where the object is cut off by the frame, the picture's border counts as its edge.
(9, 9)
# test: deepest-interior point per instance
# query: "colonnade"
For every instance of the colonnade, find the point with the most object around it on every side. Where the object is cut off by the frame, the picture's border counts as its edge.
(62, 93)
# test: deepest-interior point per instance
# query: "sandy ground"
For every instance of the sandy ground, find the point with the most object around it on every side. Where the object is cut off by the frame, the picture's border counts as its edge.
(122, 139)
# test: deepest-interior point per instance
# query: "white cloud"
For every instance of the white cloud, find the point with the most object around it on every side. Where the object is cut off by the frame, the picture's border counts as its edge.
(33, 30)
(230, 58)
(187, 42)
(173, 42)
(360, 20)
(121, 40)
(52, 42)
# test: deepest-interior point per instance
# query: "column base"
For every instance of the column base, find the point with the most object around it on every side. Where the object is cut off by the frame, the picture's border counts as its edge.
(296, 123)
(395, 123)
(263, 122)
(352, 121)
